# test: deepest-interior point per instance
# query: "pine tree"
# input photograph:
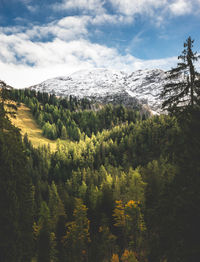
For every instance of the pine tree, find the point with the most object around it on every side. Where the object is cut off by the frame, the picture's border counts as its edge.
(63, 132)
(16, 198)
(183, 90)
(44, 239)
(77, 236)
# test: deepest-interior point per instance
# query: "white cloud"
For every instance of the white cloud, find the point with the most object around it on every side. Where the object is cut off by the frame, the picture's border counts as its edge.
(67, 28)
(58, 57)
(32, 9)
(26, 59)
(127, 8)
(132, 7)
(124, 11)
(20, 76)
(113, 19)
(94, 10)
(86, 5)
(181, 7)
(30, 5)
(159, 11)
(105, 18)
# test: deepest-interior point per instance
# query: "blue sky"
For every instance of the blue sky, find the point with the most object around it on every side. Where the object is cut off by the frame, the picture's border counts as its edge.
(40, 39)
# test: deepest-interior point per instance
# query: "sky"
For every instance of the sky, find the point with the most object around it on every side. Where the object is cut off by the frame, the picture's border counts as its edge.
(41, 39)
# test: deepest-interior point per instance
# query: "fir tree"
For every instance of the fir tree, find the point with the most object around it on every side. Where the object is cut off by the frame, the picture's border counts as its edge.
(16, 198)
(44, 241)
(183, 89)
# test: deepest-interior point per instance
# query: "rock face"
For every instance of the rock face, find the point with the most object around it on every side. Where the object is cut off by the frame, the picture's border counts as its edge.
(142, 87)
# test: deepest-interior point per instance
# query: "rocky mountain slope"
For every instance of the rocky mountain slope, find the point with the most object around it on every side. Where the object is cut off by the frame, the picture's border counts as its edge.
(142, 87)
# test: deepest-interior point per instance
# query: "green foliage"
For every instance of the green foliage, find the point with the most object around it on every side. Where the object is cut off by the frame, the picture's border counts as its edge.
(135, 164)
(44, 238)
(77, 234)
(16, 194)
(122, 187)
(69, 118)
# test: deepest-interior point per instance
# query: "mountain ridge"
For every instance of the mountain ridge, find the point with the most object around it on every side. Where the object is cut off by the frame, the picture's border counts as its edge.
(140, 88)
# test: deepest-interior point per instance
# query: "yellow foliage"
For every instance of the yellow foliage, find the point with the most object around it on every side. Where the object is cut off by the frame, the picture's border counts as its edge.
(125, 255)
(36, 230)
(132, 204)
(77, 232)
(115, 258)
(52, 236)
(100, 229)
(128, 256)
(119, 215)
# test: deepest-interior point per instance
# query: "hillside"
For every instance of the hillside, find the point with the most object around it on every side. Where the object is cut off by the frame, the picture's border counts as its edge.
(118, 183)
(25, 122)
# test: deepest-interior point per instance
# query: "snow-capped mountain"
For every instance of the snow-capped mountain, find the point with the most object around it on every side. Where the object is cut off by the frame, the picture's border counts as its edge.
(103, 85)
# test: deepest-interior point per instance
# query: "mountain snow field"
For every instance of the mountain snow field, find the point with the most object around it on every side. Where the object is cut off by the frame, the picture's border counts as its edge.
(103, 85)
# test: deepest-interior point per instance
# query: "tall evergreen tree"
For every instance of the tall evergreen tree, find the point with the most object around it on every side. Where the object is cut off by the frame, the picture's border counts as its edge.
(183, 89)
(16, 199)
(44, 241)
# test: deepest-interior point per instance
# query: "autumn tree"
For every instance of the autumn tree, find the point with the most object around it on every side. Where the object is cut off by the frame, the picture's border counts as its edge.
(77, 235)
(128, 256)
(115, 258)
(129, 219)
(135, 225)
(119, 214)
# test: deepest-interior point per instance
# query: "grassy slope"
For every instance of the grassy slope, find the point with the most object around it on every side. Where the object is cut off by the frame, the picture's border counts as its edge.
(25, 121)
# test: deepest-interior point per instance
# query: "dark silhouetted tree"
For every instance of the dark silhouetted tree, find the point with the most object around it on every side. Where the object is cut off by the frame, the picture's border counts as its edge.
(183, 88)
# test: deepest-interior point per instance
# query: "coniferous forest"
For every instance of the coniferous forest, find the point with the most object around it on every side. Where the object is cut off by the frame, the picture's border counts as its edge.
(124, 187)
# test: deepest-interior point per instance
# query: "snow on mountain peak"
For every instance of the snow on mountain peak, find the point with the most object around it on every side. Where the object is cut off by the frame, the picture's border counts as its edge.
(105, 85)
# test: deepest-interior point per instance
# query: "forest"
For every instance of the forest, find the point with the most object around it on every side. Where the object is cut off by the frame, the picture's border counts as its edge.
(124, 187)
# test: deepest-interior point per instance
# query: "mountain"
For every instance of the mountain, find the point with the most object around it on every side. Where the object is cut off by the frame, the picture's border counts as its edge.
(141, 87)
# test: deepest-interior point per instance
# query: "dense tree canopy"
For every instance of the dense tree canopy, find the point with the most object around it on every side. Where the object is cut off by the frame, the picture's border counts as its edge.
(123, 187)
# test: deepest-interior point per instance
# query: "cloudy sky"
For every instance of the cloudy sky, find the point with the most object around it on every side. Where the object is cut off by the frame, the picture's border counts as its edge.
(41, 39)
